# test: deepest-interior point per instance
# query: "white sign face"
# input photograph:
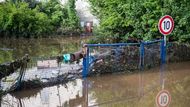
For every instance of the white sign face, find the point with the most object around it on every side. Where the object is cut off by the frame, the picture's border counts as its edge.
(163, 99)
(166, 25)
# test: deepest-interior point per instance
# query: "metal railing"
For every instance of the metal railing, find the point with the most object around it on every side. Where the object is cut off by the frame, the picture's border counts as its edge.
(87, 60)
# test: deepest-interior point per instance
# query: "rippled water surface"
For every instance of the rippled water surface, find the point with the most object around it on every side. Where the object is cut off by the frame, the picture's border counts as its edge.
(111, 90)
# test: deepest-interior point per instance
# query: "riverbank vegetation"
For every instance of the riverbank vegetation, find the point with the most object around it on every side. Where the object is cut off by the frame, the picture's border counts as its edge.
(30, 18)
(121, 20)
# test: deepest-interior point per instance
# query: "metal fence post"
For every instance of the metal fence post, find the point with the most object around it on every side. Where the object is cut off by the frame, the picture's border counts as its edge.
(84, 67)
(141, 55)
(163, 52)
(86, 64)
(87, 60)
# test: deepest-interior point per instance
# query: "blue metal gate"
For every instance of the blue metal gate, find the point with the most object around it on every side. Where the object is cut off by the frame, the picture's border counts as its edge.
(88, 59)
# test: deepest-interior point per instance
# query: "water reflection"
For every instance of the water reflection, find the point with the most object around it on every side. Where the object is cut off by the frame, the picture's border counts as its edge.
(140, 90)
(11, 49)
(68, 95)
(121, 90)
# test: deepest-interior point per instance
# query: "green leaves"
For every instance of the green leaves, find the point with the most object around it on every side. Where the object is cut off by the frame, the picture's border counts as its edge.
(17, 18)
(139, 18)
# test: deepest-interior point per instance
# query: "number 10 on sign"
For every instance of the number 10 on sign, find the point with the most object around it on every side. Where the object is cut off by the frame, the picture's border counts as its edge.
(166, 25)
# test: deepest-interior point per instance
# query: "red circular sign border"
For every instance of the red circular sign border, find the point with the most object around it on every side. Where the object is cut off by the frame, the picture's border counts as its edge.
(157, 98)
(160, 22)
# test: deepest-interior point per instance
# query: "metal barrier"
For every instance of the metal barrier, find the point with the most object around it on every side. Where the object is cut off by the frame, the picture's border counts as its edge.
(88, 60)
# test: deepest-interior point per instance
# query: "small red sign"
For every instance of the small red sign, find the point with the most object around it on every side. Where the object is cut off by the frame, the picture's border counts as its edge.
(166, 25)
(163, 98)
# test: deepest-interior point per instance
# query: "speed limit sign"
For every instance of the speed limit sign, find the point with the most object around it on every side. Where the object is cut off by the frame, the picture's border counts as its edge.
(163, 98)
(166, 25)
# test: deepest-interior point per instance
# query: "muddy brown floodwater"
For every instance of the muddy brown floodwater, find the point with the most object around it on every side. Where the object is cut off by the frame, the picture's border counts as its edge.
(11, 49)
(111, 90)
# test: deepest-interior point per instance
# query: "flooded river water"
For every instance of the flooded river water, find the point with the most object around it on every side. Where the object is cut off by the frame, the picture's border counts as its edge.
(11, 49)
(110, 90)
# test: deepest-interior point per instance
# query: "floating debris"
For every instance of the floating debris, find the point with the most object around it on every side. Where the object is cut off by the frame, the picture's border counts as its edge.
(10, 67)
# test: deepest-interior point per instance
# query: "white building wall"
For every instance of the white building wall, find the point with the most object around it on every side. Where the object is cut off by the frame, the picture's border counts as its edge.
(83, 10)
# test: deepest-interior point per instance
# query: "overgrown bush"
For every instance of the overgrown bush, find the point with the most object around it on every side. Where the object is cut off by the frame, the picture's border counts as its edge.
(121, 19)
(29, 18)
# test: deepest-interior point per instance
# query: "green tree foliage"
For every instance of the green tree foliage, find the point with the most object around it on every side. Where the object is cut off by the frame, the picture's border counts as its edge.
(121, 19)
(54, 11)
(19, 20)
(26, 18)
(71, 22)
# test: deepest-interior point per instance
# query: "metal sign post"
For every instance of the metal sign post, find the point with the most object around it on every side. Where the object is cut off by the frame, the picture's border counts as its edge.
(164, 40)
(165, 25)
